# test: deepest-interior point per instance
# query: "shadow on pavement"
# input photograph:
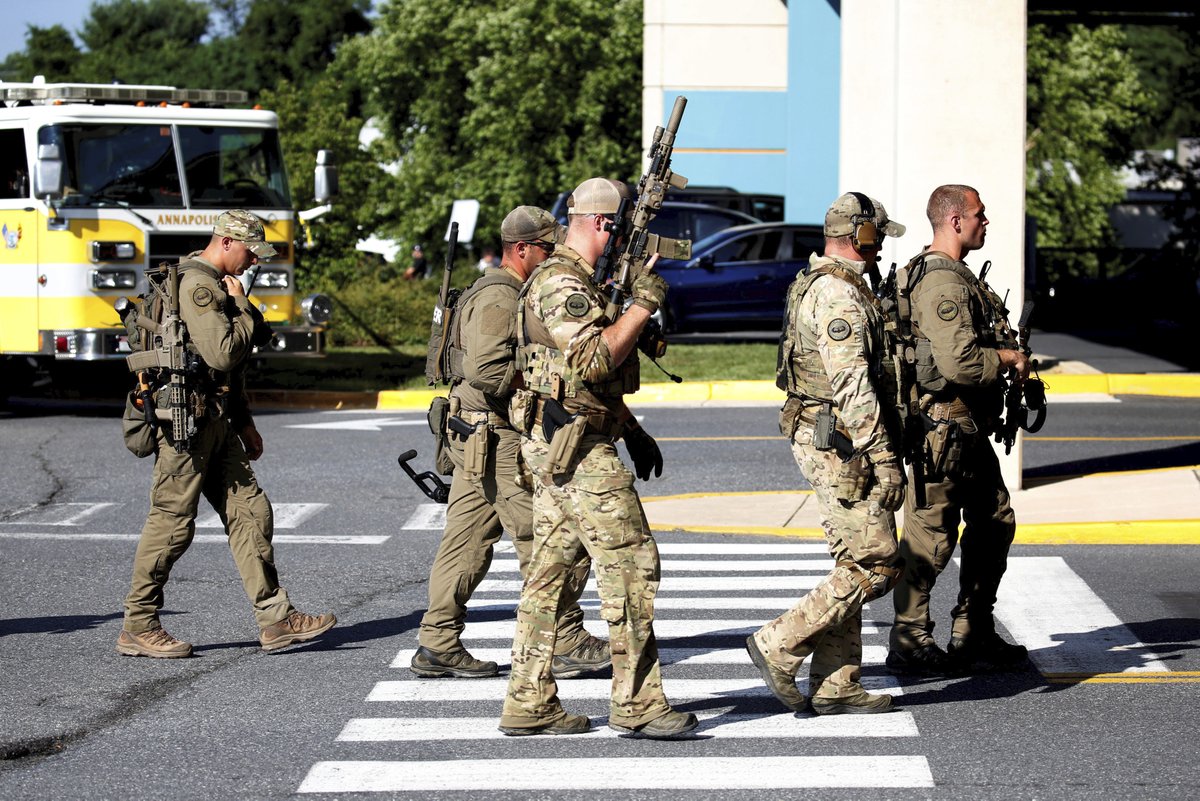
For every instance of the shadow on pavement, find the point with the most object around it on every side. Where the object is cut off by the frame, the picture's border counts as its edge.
(1178, 456)
(57, 624)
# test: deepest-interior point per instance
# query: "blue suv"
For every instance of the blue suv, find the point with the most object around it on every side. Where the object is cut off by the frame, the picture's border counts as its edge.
(737, 279)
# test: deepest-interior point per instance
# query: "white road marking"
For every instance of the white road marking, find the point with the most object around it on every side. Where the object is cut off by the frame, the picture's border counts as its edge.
(57, 514)
(308, 539)
(1067, 628)
(671, 584)
(366, 424)
(717, 722)
(711, 565)
(286, 515)
(663, 629)
(872, 655)
(733, 548)
(678, 690)
(776, 603)
(426, 517)
(669, 773)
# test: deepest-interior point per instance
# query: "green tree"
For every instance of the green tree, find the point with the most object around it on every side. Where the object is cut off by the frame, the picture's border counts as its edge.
(1167, 59)
(294, 41)
(51, 52)
(1084, 105)
(508, 103)
(147, 41)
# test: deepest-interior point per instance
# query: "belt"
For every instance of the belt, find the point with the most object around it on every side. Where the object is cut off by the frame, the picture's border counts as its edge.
(490, 419)
(949, 410)
(600, 423)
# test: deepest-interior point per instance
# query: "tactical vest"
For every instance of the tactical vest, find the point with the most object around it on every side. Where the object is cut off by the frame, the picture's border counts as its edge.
(454, 353)
(799, 370)
(989, 317)
(544, 365)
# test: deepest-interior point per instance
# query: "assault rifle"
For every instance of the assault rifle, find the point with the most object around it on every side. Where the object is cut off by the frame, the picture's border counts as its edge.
(915, 423)
(630, 243)
(165, 352)
(1020, 400)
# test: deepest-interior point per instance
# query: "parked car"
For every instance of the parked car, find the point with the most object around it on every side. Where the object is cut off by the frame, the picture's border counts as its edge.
(768, 208)
(693, 221)
(737, 279)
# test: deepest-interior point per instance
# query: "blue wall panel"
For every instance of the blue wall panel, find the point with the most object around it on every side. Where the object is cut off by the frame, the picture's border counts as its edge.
(722, 119)
(814, 74)
(746, 172)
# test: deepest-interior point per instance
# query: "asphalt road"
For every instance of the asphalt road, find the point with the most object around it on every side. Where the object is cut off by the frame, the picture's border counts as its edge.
(80, 721)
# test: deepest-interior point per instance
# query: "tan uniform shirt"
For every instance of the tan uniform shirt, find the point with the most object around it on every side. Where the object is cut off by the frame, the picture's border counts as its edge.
(946, 309)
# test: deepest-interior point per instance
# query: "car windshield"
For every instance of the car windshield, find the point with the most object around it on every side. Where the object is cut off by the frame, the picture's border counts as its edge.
(136, 165)
(706, 244)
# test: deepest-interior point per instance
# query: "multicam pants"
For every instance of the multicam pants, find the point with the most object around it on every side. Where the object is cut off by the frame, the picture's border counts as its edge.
(217, 467)
(827, 622)
(980, 500)
(592, 509)
(479, 511)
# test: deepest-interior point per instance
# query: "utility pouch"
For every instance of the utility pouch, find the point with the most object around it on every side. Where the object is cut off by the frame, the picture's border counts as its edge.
(139, 435)
(823, 429)
(439, 410)
(566, 443)
(522, 408)
(853, 479)
(789, 417)
(475, 453)
(944, 448)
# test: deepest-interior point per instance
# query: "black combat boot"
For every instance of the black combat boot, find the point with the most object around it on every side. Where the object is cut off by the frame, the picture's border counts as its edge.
(985, 652)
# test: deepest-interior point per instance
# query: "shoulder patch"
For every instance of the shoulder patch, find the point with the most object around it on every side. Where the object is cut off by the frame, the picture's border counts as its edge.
(577, 304)
(838, 329)
(947, 310)
(202, 296)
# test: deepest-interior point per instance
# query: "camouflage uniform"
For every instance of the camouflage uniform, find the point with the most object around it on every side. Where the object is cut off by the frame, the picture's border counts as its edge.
(588, 509)
(955, 318)
(220, 328)
(837, 328)
(484, 504)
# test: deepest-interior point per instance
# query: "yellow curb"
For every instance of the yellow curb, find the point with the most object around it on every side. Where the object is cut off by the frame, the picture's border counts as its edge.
(1177, 385)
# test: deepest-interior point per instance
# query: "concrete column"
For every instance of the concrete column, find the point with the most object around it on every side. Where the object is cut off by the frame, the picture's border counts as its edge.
(933, 92)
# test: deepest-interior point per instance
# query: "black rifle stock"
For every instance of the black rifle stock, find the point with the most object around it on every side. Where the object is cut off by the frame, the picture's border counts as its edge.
(429, 483)
(435, 367)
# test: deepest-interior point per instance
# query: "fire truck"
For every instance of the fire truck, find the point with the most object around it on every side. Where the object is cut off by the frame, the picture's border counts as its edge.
(98, 182)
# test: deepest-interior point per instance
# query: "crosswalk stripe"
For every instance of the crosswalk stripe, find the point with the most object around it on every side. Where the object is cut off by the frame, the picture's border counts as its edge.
(689, 583)
(56, 514)
(678, 690)
(670, 566)
(309, 539)
(871, 655)
(653, 773)
(664, 628)
(1067, 628)
(775, 603)
(286, 515)
(717, 722)
(426, 517)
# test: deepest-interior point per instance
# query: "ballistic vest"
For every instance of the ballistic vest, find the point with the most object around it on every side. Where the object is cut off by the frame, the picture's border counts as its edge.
(799, 370)
(544, 365)
(989, 317)
(455, 353)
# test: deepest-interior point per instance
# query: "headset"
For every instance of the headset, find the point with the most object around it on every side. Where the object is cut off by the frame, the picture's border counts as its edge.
(866, 234)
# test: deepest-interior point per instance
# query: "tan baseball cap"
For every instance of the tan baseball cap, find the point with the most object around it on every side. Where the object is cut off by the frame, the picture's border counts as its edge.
(598, 196)
(243, 226)
(840, 218)
(531, 224)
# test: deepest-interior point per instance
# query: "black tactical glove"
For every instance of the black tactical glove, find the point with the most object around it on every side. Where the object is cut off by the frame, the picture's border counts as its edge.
(644, 452)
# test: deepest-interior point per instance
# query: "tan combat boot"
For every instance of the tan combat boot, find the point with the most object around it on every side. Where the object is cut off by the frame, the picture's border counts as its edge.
(296, 627)
(589, 656)
(674, 725)
(781, 684)
(862, 704)
(155, 642)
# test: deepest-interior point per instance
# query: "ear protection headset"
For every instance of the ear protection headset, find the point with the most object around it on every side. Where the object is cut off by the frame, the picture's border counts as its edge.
(866, 233)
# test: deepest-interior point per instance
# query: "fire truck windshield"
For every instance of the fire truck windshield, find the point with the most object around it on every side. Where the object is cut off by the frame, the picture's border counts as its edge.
(137, 165)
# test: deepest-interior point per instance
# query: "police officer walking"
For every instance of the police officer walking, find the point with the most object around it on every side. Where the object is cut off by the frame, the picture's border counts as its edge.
(220, 323)
(840, 417)
(961, 365)
(577, 367)
(488, 494)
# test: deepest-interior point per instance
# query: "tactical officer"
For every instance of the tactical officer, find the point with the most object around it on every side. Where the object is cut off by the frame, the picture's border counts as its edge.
(577, 366)
(488, 494)
(840, 416)
(962, 359)
(219, 323)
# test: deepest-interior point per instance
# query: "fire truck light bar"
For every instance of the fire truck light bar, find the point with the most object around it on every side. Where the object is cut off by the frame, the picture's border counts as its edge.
(116, 93)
